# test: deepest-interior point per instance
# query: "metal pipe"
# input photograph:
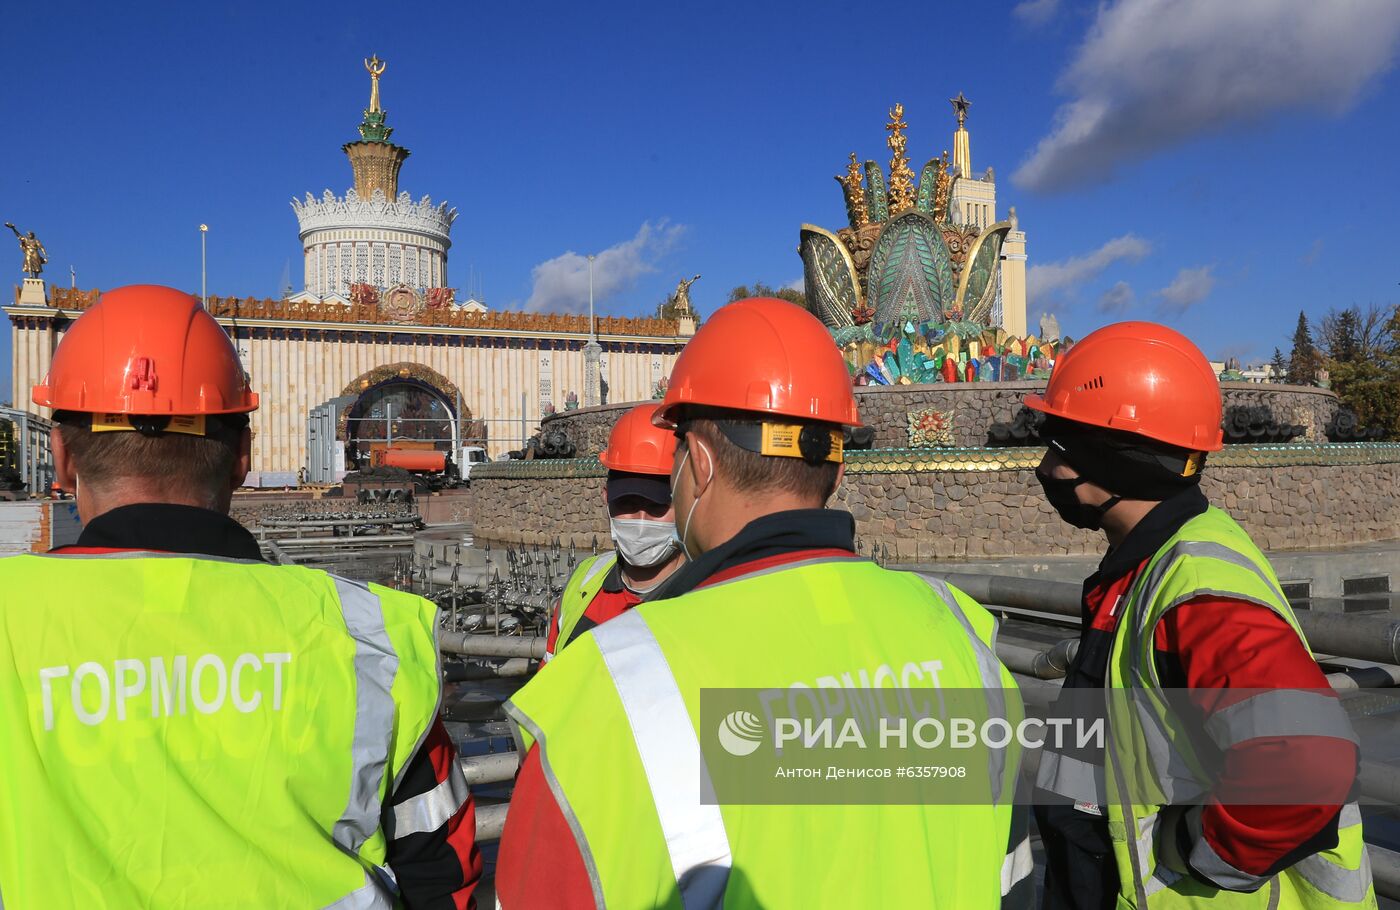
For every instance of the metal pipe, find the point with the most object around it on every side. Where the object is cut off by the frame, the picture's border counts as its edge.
(1357, 674)
(491, 645)
(1385, 870)
(1052, 663)
(490, 821)
(1027, 593)
(1364, 637)
(492, 768)
(1380, 782)
(474, 670)
(368, 539)
(319, 522)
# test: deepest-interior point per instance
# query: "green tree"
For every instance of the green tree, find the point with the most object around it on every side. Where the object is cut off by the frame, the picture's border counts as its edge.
(1280, 367)
(1365, 377)
(1304, 361)
(759, 289)
(1353, 333)
(1387, 413)
(1342, 344)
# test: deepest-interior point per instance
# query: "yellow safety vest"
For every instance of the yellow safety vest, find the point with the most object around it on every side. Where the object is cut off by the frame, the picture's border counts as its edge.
(617, 720)
(1210, 553)
(186, 732)
(578, 593)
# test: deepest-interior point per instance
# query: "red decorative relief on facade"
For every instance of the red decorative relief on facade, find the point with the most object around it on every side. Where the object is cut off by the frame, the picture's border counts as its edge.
(368, 312)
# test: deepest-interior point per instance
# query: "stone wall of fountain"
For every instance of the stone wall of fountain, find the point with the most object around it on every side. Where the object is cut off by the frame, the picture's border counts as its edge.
(926, 504)
(975, 407)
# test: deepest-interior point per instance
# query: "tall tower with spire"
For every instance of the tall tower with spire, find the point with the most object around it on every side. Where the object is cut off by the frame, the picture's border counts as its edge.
(375, 235)
(374, 159)
(974, 202)
(974, 199)
(962, 142)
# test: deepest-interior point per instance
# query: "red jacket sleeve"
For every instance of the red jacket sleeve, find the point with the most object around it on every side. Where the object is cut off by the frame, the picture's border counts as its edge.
(551, 642)
(539, 863)
(431, 823)
(1226, 645)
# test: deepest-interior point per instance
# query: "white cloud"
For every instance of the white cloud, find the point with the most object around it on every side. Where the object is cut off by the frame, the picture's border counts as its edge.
(1188, 288)
(1117, 298)
(1155, 73)
(1035, 12)
(1047, 278)
(561, 283)
(796, 284)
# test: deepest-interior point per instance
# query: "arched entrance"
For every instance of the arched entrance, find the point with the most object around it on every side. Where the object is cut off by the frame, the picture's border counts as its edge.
(401, 404)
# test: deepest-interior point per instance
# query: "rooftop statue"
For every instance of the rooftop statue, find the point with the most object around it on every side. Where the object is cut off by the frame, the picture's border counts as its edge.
(35, 256)
(680, 301)
(376, 69)
(678, 304)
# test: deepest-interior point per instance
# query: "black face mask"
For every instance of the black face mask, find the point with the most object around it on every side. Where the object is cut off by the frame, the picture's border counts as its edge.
(1059, 492)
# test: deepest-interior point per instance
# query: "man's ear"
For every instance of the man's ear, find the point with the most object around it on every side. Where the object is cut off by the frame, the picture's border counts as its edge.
(840, 476)
(244, 461)
(701, 463)
(65, 472)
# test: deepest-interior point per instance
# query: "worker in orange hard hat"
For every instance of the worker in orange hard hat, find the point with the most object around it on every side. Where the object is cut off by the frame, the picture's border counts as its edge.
(1260, 756)
(260, 734)
(615, 788)
(641, 523)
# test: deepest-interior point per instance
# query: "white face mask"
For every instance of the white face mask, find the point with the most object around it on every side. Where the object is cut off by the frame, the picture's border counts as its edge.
(642, 542)
(683, 527)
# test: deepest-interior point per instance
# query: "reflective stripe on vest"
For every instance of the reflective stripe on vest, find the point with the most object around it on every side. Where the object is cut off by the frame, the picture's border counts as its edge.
(989, 667)
(574, 600)
(1350, 886)
(370, 896)
(605, 562)
(1072, 778)
(376, 665)
(430, 811)
(1018, 864)
(1149, 586)
(670, 754)
(1280, 713)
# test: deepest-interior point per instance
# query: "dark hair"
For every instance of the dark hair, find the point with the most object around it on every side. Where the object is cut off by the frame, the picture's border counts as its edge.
(750, 472)
(195, 463)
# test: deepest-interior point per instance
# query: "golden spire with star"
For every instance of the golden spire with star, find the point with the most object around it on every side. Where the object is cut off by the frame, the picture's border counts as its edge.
(962, 145)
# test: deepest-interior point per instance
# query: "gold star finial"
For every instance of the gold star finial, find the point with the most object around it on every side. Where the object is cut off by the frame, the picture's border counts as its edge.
(960, 105)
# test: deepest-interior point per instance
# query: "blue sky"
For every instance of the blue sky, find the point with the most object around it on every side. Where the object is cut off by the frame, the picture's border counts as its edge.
(1214, 166)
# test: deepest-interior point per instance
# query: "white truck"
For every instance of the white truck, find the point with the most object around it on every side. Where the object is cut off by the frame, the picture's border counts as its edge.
(471, 455)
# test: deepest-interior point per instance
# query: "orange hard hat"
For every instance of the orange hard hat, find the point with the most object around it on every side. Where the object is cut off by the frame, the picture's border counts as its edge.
(765, 356)
(1141, 378)
(637, 446)
(146, 349)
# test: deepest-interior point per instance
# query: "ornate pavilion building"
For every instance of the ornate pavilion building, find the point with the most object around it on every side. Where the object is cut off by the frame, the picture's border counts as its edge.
(377, 340)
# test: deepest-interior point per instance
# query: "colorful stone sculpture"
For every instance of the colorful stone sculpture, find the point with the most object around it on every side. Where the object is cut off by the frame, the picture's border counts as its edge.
(930, 428)
(900, 258)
